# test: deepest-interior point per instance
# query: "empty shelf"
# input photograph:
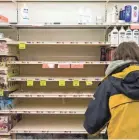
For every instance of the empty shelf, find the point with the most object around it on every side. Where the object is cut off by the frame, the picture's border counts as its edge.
(39, 94)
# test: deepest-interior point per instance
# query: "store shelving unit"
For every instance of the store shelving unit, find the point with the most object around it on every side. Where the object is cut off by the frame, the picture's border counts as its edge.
(53, 100)
(37, 94)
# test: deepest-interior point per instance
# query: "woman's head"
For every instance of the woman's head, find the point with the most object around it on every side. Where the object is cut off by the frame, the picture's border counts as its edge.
(127, 51)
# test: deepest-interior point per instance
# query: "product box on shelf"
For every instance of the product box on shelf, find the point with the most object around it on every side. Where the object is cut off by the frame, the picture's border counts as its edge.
(5, 49)
(3, 19)
(65, 66)
(77, 66)
(6, 104)
(44, 66)
(110, 54)
(103, 54)
(5, 123)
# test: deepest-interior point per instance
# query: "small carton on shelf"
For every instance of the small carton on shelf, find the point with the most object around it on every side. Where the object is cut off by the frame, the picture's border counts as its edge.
(3, 19)
(5, 49)
(64, 66)
(110, 54)
(6, 104)
(44, 66)
(5, 123)
(77, 66)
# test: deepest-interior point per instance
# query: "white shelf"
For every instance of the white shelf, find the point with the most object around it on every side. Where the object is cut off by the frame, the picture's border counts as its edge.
(26, 78)
(35, 94)
(51, 124)
(71, 26)
(59, 26)
(60, 62)
(49, 107)
(45, 43)
(62, 26)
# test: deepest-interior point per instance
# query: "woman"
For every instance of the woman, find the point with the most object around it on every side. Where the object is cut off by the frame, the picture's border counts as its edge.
(116, 103)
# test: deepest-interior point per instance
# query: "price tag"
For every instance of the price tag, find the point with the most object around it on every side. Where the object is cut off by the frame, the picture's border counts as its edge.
(62, 83)
(30, 83)
(42, 83)
(76, 83)
(1, 92)
(22, 46)
(89, 83)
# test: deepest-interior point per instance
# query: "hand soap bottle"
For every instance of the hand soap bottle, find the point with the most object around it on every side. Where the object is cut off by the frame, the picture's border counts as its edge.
(135, 12)
(128, 10)
(136, 36)
(24, 14)
(122, 35)
(129, 35)
(114, 36)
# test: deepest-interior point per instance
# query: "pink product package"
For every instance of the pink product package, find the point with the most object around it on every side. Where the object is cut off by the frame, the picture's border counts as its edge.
(5, 124)
(77, 66)
(44, 66)
(65, 66)
(3, 47)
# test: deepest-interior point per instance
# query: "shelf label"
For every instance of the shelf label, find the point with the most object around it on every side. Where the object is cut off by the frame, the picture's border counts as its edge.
(62, 83)
(76, 83)
(30, 83)
(89, 83)
(1, 92)
(22, 46)
(43, 83)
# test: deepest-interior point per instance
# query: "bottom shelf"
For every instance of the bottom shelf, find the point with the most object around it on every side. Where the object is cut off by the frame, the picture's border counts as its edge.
(51, 124)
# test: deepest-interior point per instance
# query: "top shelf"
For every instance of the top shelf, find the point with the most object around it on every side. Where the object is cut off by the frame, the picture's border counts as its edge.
(62, 26)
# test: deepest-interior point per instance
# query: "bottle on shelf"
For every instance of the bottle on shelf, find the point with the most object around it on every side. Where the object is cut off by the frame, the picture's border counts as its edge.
(136, 36)
(24, 14)
(134, 14)
(115, 14)
(128, 10)
(129, 35)
(121, 35)
(113, 36)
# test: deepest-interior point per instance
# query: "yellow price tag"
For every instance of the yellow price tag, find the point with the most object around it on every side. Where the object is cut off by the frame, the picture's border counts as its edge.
(76, 83)
(30, 83)
(62, 83)
(22, 46)
(42, 83)
(1, 92)
(89, 83)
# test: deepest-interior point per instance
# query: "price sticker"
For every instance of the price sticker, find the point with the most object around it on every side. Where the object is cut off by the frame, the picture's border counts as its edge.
(62, 83)
(76, 83)
(30, 83)
(1, 92)
(22, 46)
(89, 83)
(42, 83)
